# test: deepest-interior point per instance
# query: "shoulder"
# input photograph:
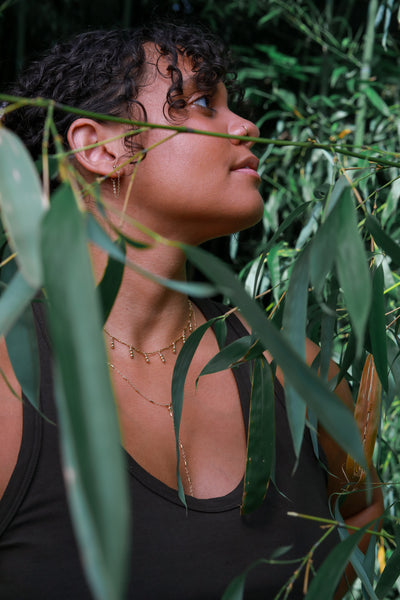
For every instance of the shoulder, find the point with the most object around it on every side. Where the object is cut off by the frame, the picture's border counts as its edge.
(10, 418)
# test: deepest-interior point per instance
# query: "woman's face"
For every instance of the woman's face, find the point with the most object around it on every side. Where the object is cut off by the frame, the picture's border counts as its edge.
(194, 187)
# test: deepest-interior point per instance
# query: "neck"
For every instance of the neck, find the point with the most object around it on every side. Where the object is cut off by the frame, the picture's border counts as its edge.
(147, 314)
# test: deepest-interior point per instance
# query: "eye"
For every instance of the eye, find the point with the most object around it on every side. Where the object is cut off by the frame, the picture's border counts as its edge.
(204, 102)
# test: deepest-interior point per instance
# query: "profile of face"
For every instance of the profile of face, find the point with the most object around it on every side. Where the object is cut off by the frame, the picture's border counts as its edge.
(190, 187)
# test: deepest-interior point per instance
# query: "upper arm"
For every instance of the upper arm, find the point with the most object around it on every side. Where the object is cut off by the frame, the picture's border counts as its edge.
(10, 419)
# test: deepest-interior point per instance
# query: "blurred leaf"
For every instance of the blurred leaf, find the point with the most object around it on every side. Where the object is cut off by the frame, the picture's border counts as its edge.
(261, 437)
(391, 572)
(383, 240)
(99, 237)
(13, 301)
(22, 205)
(377, 101)
(89, 427)
(352, 267)
(23, 352)
(377, 327)
(329, 410)
(111, 282)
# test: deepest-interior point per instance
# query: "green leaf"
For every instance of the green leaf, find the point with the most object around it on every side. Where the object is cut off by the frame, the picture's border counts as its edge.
(330, 411)
(352, 268)
(391, 572)
(228, 356)
(98, 236)
(88, 421)
(329, 574)
(376, 101)
(13, 301)
(261, 437)
(23, 352)
(294, 329)
(22, 205)
(377, 327)
(111, 282)
(178, 384)
(323, 252)
(383, 240)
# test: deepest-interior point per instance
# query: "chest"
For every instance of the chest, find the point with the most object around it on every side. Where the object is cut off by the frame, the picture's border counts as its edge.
(212, 440)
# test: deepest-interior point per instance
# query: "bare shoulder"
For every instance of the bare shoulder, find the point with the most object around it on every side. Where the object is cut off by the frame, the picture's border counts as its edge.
(10, 419)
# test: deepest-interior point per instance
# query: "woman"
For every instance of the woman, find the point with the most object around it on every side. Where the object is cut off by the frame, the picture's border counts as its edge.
(190, 188)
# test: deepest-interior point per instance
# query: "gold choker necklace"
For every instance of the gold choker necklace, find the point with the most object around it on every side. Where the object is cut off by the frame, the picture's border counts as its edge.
(188, 328)
(171, 414)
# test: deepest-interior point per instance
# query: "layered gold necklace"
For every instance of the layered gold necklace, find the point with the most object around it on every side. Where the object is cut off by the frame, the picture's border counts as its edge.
(187, 329)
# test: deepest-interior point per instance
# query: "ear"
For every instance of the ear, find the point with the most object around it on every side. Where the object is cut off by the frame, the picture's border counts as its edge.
(101, 158)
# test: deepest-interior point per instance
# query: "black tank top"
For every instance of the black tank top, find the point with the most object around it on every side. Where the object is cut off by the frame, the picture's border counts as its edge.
(176, 555)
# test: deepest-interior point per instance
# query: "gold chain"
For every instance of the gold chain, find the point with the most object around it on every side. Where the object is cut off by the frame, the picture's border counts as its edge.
(170, 410)
(188, 328)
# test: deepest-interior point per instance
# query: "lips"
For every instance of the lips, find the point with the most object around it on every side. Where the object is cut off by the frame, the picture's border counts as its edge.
(250, 163)
(248, 166)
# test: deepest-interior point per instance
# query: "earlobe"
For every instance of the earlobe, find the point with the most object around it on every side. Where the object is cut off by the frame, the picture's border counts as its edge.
(96, 156)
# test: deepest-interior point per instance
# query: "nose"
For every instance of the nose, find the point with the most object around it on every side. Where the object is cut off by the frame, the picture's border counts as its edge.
(242, 127)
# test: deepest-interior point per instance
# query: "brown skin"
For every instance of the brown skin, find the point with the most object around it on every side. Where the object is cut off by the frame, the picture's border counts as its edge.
(190, 189)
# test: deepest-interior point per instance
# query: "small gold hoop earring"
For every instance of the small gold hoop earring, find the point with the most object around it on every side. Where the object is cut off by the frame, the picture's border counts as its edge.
(116, 182)
(246, 130)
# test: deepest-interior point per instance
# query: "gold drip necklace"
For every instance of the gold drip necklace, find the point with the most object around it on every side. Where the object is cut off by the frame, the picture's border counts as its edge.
(187, 330)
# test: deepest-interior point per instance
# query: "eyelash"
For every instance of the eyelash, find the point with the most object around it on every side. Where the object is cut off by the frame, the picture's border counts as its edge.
(208, 102)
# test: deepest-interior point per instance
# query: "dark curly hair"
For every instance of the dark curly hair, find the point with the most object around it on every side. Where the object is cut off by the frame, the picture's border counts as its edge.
(103, 71)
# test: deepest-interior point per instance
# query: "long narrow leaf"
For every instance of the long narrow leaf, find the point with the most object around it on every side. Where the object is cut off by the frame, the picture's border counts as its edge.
(329, 410)
(88, 421)
(383, 240)
(178, 385)
(22, 205)
(377, 327)
(13, 301)
(352, 269)
(325, 582)
(261, 437)
(294, 329)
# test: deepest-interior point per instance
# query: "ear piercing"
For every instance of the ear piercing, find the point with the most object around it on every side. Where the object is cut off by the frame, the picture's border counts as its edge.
(245, 128)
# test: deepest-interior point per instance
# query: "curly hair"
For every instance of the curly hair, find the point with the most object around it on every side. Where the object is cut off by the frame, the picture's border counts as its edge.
(103, 71)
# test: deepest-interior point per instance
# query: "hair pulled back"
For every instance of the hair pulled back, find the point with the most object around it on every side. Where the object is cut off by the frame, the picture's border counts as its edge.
(103, 71)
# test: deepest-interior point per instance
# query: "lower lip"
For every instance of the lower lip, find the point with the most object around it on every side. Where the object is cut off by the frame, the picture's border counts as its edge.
(251, 172)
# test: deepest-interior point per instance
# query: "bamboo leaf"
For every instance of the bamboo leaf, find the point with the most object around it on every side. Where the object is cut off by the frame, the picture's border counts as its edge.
(22, 205)
(376, 101)
(88, 421)
(352, 268)
(261, 437)
(24, 355)
(13, 301)
(383, 240)
(111, 282)
(294, 328)
(329, 410)
(98, 236)
(391, 571)
(326, 580)
(178, 385)
(228, 356)
(377, 327)
(323, 252)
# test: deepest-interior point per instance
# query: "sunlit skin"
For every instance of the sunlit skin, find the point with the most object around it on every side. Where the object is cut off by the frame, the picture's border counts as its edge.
(191, 188)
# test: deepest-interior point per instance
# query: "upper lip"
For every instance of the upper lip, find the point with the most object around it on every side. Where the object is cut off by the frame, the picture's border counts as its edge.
(251, 162)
